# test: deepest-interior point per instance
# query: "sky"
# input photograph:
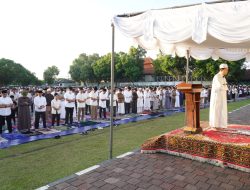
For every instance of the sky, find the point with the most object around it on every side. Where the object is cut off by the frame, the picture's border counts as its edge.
(42, 33)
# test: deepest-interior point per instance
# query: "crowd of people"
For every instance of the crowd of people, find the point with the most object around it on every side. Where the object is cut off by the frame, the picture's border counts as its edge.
(30, 105)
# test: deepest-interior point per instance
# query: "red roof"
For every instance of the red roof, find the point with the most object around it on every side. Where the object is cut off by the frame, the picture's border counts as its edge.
(148, 67)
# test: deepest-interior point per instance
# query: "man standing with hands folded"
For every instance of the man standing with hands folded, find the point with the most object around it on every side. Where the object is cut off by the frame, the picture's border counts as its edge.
(5, 111)
(70, 98)
(218, 103)
(40, 109)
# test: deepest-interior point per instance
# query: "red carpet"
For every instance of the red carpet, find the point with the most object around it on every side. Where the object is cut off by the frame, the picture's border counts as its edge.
(229, 136)
(225, 147)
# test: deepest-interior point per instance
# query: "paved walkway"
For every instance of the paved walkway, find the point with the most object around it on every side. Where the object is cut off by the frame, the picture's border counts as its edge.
(240, 116)
(159, 171)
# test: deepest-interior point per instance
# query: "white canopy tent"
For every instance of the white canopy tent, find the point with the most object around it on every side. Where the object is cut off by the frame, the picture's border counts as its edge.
(207, 30)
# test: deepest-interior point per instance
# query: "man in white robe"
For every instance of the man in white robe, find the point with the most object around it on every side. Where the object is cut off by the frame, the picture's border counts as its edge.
(147, 97)
(140, 101)
(218, 103)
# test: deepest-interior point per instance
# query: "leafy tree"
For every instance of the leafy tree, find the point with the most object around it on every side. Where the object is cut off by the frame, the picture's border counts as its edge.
(119, 66)
(15, 74)
(165, 64)
(50, 74)
(173, 66)
(93, 68)
(138, 53)
(75, 71)
(208, 68)
(82, 68)
(102, 68)
(6, 75)
(133, 69)
(133, 63)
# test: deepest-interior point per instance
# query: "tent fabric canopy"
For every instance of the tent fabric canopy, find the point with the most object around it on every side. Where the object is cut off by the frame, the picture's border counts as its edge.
(206, 30)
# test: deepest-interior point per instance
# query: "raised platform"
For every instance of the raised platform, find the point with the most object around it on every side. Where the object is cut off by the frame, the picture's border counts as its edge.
(228, 147)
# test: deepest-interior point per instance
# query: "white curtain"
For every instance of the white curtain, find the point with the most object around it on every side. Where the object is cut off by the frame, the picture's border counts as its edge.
(207, 30)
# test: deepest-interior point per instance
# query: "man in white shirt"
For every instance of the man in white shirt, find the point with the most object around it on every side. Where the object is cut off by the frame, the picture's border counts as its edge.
(55, 109)
(40, 109)
(206, 96)
(202, 98)
(15, 93)
(114, 102)
(81, 98)
(69, 97)
(103, 103)
(140, 101)
(94, 103)
(147, 95)
(49, 97)
(87, 103)
(127, 99)
(5, 111)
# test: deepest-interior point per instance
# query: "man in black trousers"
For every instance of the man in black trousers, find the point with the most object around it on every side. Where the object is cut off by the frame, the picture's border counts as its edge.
(5, 111)
(40, 109)
(134, 100)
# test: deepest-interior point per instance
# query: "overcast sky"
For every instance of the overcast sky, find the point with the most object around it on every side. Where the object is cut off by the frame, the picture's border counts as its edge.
(42, 33)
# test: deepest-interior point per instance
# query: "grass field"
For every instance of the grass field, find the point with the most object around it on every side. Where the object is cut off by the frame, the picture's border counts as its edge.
(38, 163)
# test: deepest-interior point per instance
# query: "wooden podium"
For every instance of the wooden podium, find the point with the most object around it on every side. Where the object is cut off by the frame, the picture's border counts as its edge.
(192, 103)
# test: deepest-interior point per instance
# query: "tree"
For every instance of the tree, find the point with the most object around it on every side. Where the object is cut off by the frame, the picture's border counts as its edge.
(133, 68)
(208, 68)
(119, 66)
(173, 66)
(82, 68)
(131, 64)
(165, 64)
(50, 74)
(15, 74)
(138, 53)
(102, 68)
(75, 71)
(93, 68)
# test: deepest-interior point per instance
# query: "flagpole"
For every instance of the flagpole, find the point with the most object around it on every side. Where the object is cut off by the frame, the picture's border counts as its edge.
(112, 94)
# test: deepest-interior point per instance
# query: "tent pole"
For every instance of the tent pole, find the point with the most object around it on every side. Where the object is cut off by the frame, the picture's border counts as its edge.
(112, 93)
(187, 68)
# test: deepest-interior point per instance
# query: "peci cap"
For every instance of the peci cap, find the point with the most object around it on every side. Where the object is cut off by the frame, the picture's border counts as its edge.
(223, 66)
(39, 91)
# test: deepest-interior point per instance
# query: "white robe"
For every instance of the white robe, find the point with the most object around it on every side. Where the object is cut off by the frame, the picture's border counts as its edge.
(121, 108)
(177, 99)
(140, 102)
(147, 97)
(218, 102)
(62, 110)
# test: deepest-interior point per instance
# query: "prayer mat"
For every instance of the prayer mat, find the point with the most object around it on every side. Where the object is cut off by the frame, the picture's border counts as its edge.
(87, 123)
(61, 128)
(228, 147)
(2, 140)
(48, 131)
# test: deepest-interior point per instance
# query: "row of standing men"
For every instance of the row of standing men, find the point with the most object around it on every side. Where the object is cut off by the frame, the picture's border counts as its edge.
(57, 104)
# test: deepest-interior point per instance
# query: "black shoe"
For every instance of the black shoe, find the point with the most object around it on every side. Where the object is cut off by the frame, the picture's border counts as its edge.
(57, 137)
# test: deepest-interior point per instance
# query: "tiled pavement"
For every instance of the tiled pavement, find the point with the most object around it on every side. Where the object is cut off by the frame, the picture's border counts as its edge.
(240, 116)
(159, 171)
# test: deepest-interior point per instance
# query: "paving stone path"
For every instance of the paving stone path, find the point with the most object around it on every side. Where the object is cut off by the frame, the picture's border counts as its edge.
(240, 116)
(160, 171)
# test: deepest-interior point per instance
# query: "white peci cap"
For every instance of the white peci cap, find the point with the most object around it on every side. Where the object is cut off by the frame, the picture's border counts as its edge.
(223, 66)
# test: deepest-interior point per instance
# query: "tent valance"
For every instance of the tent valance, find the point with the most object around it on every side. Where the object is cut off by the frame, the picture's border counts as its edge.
(206, 30)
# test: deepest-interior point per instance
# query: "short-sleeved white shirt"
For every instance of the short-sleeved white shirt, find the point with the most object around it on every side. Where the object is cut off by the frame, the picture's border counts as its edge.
(5, 111)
